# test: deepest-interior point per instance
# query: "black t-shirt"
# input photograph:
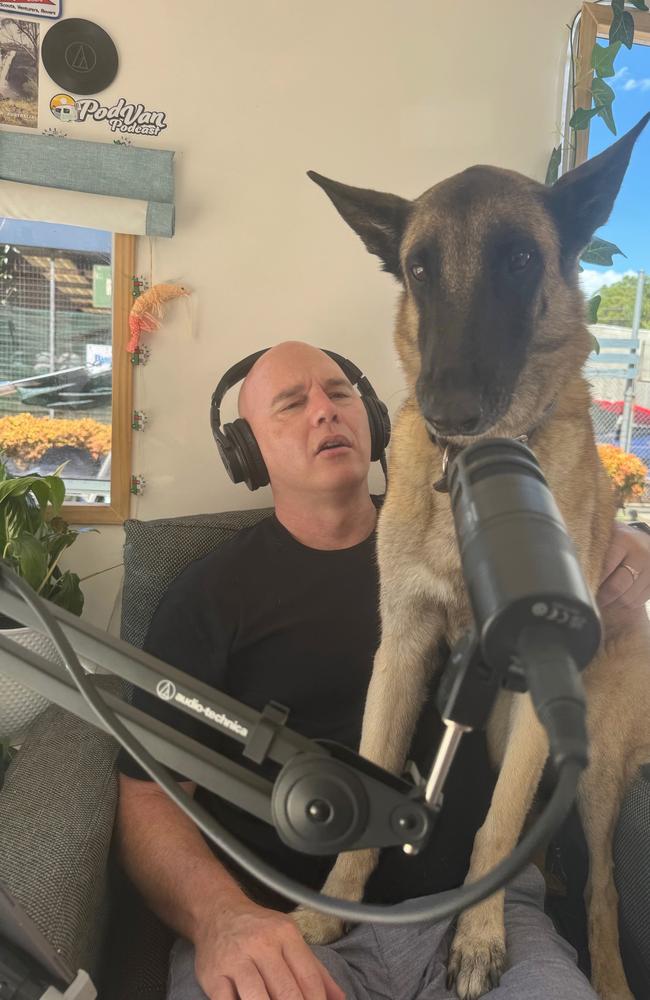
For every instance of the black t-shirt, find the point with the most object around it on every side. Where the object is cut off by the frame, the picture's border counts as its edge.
(265, 618)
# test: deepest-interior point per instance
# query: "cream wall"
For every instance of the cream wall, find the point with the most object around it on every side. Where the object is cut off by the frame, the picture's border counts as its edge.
(376, 93)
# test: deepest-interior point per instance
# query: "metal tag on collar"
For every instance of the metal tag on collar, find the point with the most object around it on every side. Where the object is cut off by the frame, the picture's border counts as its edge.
(441, 485)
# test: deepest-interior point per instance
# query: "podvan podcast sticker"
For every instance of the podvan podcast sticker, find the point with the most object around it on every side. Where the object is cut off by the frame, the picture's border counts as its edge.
(33, 8)
(121, 117)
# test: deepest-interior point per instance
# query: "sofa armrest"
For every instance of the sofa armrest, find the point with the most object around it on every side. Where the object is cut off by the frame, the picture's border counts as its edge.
(57, 809)
(632, 873)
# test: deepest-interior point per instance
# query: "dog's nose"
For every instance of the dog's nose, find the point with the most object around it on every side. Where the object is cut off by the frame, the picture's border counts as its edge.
(448, 406)
(449, 425)
(456, 414)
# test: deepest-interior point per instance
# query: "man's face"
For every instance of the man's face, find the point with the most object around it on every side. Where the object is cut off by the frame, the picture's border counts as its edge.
(309, 421)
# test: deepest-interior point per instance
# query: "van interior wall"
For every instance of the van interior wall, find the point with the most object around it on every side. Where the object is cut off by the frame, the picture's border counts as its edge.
(381, 94)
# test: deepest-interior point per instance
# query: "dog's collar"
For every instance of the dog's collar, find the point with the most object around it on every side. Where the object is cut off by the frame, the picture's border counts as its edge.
(450, 451)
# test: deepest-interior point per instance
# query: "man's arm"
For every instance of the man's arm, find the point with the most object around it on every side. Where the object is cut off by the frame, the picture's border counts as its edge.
(238, 944)
(241, 949)
(166, 857)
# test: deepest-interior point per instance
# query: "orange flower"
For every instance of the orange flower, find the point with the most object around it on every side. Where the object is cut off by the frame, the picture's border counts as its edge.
(627, 473)
(25, 438)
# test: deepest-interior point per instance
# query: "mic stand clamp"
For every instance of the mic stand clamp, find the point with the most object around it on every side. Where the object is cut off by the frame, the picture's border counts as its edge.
(273, 717)
(466, 694)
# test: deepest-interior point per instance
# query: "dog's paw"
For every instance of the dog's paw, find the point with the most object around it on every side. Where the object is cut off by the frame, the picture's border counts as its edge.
(475, 967)
(317, 928)
(607, 972)
(611, 987)
(617, 993)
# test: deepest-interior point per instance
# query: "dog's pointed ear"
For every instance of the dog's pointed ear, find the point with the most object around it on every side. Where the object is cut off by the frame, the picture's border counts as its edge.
(379, 219)
(582, 199)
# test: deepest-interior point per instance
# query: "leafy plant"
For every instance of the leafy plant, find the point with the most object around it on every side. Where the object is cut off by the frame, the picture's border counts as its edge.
(621, 33)
(33, 536)
(618, 301)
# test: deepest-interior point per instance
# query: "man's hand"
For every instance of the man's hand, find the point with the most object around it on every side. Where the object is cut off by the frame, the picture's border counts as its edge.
(247, 951)
(625, 581)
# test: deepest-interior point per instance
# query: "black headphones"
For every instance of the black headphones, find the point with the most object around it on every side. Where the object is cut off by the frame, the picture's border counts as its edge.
(236, 442)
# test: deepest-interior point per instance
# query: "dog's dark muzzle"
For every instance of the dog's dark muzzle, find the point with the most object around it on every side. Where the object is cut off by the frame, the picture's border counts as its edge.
(449, 414)
(453, 428)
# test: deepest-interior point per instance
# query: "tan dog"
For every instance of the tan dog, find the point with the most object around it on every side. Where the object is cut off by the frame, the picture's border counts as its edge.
(492, 338)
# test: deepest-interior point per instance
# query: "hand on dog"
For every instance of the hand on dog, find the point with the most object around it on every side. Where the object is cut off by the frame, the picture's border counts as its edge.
(629, 550)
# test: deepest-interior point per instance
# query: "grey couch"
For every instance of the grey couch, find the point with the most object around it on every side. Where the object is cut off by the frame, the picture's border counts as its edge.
(57, 807)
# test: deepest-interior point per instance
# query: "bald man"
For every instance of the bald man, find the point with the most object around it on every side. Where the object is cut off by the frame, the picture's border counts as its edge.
(313, 432)
(287, 610)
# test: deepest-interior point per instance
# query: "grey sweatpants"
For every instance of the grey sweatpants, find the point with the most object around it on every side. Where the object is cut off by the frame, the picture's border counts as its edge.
(408, 961)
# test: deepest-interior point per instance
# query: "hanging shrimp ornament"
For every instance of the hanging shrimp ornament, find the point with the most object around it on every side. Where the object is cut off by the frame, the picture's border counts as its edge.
(146, 312)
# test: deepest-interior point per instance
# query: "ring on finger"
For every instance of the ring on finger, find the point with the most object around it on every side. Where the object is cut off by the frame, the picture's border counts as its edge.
(635, 572)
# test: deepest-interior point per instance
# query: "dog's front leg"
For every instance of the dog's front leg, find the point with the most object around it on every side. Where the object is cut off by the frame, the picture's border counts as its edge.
(599, 798)
(478, 951)
(402, 667)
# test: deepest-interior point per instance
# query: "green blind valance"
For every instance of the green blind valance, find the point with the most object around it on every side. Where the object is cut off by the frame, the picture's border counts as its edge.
(120, 188)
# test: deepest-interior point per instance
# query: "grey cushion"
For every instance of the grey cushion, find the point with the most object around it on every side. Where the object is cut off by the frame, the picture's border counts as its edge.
(632, 872)
(155, 552)
(55, 841)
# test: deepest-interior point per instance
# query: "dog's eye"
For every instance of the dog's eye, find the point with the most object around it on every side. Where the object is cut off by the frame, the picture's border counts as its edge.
(520, 259)
(418, 272)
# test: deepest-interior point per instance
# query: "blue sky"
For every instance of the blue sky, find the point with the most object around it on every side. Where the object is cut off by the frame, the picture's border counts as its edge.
(49, 234)
(629, 224)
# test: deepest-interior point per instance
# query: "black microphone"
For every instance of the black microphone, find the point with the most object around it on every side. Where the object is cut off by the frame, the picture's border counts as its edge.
(535, 616)
(519, 563)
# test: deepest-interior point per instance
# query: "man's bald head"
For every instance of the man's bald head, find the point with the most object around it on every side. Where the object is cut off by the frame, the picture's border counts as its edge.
(309, 422)
(259, 387)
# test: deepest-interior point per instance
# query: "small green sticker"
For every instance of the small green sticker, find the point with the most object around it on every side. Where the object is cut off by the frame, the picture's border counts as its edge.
(102, 286)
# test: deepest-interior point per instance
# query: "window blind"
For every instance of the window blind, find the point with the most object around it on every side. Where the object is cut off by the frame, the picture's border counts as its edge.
(124, 189)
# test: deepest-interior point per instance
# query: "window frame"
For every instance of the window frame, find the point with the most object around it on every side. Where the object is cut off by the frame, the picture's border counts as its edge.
(117, 511)
(595, 22)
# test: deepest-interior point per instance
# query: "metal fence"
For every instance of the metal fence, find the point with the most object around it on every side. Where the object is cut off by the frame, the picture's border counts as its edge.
(607, 415)
(48, 318)
(619, 376)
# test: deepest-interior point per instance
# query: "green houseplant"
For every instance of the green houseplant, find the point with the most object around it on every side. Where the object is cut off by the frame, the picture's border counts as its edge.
(33, 537)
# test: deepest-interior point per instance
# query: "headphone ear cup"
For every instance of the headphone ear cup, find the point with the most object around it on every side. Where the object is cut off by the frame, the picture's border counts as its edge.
(244, 462)
(379, 426)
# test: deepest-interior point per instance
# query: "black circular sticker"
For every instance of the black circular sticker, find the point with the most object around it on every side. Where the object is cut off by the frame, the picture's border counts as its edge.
(80, 56)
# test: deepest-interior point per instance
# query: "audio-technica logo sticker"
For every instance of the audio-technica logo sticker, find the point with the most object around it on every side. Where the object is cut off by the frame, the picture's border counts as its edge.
(218, 717)
(80, 57)
(166, 690)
